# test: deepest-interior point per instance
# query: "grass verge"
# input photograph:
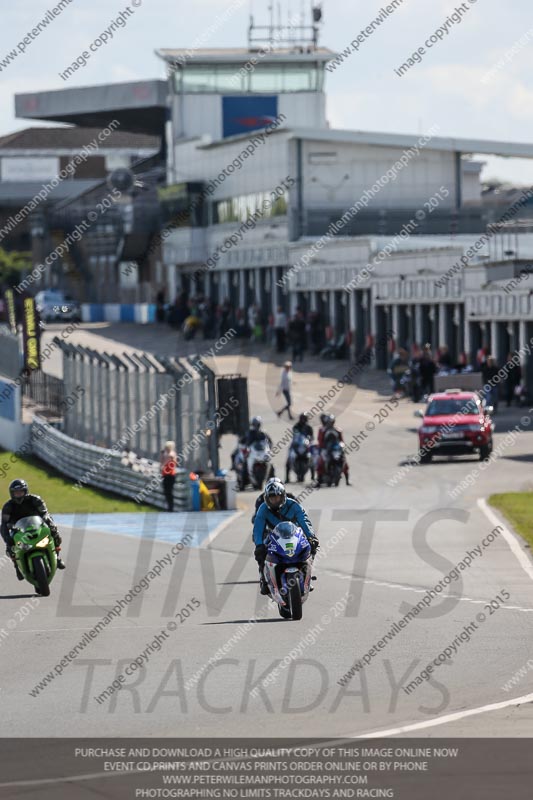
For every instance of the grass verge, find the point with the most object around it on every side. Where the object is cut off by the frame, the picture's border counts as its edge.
(56, 490)
(517, 507)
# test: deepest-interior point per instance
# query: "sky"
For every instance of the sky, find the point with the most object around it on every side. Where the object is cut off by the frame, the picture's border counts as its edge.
(476, 81)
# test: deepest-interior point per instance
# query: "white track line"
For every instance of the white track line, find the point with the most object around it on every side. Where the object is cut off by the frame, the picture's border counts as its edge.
(415, 726)
(346, 577)
(527, 566)
(512, 541)
(223, 525)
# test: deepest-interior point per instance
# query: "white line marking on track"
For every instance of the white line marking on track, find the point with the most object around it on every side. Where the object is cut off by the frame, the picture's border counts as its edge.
(527, 566)
(444, 720)
(223, 525)
(511, 540)
(421, 590)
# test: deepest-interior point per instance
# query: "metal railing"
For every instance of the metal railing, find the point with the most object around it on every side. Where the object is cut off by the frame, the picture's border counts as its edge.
(45, 390)
(103, 468)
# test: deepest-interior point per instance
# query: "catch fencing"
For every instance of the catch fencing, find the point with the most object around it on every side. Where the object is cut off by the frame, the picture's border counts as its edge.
(45, 390)
(10, 354)
(137, 401)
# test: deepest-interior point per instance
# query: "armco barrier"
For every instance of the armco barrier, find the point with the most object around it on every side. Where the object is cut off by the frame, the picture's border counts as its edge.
(141, 313)
(79, 461)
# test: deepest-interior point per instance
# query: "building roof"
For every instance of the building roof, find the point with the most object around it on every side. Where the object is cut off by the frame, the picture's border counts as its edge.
(75, 139)
(490, 147)
(403, 140)
(139, 106)
(16, 194)
(222, 55)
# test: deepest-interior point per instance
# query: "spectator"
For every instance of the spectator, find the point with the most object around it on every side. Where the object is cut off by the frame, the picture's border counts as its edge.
(490, 389)
(285, 388)
(241, 326)
(254, 322)
(297, 335)
(462, 363)
(428, 369)
(398, 366)
(225, 315)
(168, 462)
(514, 378)
(280, 329)
(316, 332)
(444, 358)
(481, 357)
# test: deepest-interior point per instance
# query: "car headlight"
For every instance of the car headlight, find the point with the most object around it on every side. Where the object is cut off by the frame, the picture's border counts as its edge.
(428, 429)
(44, 542)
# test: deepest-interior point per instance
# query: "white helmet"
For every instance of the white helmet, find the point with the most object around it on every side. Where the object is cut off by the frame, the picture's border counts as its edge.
(275, 494)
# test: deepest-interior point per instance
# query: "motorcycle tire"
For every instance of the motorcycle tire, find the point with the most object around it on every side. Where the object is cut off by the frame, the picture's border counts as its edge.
(41, 579)
(284, 612)
(295, 602)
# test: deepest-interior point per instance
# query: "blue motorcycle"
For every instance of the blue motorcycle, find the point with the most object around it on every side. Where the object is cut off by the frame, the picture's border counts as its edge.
(288, 568)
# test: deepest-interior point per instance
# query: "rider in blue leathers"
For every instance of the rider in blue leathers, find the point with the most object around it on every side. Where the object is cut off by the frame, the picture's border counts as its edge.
(277, 508)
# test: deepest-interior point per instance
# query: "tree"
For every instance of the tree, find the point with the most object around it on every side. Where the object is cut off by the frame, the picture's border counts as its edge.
(12, 266)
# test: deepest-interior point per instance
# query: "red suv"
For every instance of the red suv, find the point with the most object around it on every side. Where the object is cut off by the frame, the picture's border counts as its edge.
(455, 423)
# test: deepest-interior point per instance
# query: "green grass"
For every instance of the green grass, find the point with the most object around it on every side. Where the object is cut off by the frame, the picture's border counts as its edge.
(56, 490)
(518, 508)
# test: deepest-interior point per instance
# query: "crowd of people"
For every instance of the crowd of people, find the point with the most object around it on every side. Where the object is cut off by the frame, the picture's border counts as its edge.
(414, 374)
(298, 333)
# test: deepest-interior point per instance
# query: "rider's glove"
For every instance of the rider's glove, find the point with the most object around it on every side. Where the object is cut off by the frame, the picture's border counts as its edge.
(315, 544)
(260, 553)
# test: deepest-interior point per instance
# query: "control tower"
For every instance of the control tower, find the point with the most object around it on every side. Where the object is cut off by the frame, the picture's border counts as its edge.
(225, 92)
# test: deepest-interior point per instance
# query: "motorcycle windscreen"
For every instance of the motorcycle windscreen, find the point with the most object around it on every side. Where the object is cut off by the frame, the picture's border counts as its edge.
(28, 525)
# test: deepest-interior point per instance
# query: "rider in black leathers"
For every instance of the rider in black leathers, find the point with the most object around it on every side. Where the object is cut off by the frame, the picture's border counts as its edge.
(22, 504)
(302, 427)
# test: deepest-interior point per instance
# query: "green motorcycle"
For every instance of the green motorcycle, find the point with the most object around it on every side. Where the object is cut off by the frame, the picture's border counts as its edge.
(35, 552)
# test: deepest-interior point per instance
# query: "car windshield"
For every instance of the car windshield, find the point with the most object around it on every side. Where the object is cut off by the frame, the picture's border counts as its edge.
(451, 406)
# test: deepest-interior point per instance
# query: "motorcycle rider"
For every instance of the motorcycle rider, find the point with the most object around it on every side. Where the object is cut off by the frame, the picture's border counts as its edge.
(277, 507)
(22, 504)
(301, 427)
(329, 435)
(255, 433)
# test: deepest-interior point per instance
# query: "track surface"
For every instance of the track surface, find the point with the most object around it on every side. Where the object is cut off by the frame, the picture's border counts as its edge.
(420, 533)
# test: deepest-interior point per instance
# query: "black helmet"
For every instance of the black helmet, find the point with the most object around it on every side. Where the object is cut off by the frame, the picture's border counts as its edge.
(324, 418)
(18, 485)
(330, 421)
(256, 423)
(275, 494)
(304, 418)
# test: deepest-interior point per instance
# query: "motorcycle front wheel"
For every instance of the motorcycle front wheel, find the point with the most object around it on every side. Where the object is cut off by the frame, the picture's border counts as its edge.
(295, 601)
(40, 575)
